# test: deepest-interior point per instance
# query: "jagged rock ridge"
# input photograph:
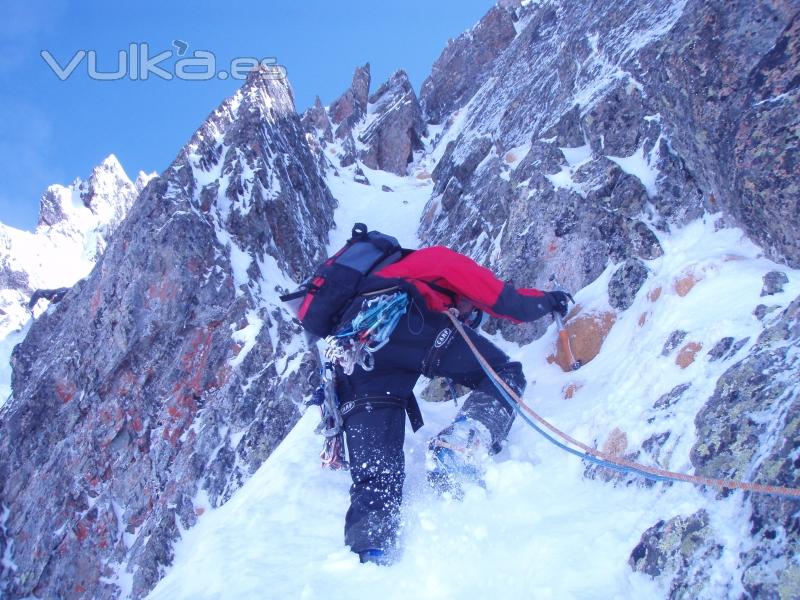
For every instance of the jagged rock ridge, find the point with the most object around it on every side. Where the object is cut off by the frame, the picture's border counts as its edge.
(382, 130)
(462, 67)
(568, 138)
(166, 377)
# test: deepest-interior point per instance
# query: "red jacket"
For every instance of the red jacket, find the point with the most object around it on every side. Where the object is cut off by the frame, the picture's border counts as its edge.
(445, 279)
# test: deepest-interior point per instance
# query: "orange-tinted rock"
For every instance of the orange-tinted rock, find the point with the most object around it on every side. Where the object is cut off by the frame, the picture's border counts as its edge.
(642, 319)
(687, 354)
(616, 443)
(654, 294)
(684, 284)
(570, 390)
(587, 332)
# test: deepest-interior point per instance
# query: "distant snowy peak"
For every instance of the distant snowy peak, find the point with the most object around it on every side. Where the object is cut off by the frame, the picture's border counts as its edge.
(109, 192)
(57, 204)
(102, 200)
(75, 224)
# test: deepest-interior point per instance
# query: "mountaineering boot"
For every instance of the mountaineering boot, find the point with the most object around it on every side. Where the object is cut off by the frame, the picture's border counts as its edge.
(458, 455)
(375, 556)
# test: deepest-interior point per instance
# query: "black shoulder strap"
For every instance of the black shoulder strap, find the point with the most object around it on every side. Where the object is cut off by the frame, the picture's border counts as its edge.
(293, 296)
(358, 232)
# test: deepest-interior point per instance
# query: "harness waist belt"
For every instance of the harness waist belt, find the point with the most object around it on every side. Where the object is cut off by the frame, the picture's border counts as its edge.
(374, 401)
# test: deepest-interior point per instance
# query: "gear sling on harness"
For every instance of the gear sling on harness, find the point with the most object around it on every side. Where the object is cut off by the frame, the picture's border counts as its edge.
(367, 333)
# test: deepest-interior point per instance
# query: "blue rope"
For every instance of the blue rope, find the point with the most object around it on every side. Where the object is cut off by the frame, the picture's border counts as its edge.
(768, 490)
(583, 455)
(593, 459)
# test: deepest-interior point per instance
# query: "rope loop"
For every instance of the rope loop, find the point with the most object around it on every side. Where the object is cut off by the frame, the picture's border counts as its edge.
(599, 457)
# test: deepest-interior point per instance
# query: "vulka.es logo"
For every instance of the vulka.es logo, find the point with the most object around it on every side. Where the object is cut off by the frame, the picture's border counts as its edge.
(137, 64)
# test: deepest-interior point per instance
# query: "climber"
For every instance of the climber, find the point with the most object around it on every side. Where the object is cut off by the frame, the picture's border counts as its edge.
(374, 398)
(53, 296)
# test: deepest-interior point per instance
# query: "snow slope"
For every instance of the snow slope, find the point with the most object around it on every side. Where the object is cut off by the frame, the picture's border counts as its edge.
(540, 529)
(396, 212)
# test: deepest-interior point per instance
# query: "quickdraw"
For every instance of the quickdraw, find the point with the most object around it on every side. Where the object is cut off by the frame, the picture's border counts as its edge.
(331, 422)
(368, 332)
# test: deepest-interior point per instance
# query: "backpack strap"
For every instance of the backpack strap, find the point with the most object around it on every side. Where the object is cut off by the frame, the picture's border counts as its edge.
(359, 232)
(299, 292)
(293, 295)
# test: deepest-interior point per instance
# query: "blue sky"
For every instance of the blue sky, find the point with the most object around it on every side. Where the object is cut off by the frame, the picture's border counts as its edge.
(52, 131)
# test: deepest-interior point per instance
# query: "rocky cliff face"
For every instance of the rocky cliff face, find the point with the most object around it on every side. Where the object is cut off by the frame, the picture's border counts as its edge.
(592, 129)
(748, 430)
(727, 85)
(597, 125)
(164, 379)
(382, 130)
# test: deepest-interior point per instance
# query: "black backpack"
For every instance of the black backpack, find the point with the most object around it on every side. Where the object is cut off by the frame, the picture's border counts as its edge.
(328, 293)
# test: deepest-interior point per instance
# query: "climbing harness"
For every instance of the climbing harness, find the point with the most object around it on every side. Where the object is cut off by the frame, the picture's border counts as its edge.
(330, 424)
(353, 345)
(369, 331)
(598, 457)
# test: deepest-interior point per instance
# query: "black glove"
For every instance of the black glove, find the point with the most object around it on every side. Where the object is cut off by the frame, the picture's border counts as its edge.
(474, 319)
(559, 301)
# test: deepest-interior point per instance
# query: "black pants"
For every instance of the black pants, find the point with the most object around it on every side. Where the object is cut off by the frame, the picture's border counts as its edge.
(373, 402)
